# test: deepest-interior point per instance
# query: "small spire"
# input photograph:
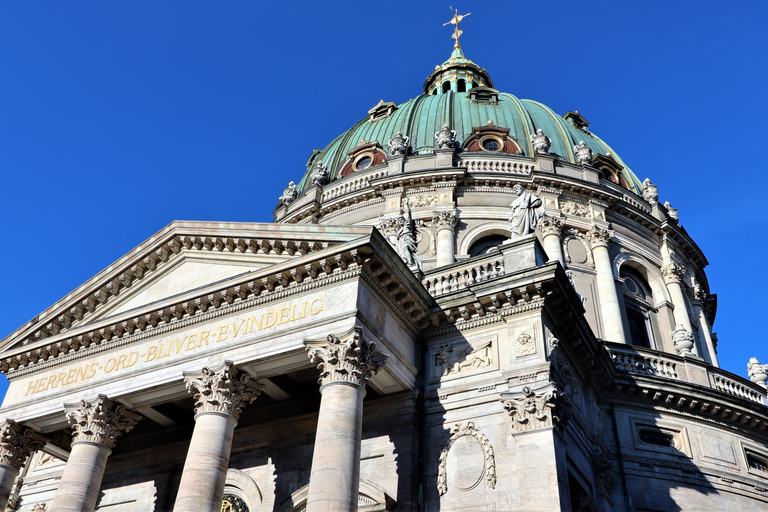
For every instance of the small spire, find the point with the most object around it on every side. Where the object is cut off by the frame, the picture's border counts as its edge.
(456, 22)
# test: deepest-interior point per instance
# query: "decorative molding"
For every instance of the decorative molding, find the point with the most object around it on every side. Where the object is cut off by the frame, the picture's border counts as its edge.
(673, 272)
(221, 390)
(353, 361)
(531, 411)
(454, 361)
(99, 421)
(575, 234)
(458, 431)
(445, 219)
(599, 236)
(549, 225)
(17, 443)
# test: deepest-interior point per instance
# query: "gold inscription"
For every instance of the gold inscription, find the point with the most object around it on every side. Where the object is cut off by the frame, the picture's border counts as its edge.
(169, 348)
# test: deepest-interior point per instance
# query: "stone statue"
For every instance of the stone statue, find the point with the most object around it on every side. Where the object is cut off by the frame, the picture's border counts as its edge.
(445, 138)
(398, 145)
(319, 174)
(541, 143)
(406, 237)
(650, 192)
(757, 372)
(526, 210)
(289, 194)
(672, 212)
(583, 153)
(682, 338)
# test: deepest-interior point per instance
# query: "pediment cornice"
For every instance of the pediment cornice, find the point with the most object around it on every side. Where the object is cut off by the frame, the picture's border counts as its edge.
(365, 252)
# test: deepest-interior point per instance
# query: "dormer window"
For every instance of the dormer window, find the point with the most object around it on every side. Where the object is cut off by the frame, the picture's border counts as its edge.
(492, 139)
(364, 156)
(484, 95)
(382, 110)
(610, 169)
(577, 120)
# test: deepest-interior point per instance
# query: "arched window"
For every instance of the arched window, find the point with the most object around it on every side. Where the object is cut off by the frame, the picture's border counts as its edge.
(485, 244)
(446, 86)
(638, 307)
(461, 85)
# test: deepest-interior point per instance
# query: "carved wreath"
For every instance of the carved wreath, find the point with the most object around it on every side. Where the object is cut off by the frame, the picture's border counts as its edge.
(458, 431)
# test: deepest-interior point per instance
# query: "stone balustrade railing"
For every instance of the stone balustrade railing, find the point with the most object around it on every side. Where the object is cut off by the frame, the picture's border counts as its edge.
(643, 364)
(458, 278)
(643, 361)
(485, 164)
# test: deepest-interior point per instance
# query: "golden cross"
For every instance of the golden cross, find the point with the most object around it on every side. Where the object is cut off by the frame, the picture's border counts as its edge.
(456, 20)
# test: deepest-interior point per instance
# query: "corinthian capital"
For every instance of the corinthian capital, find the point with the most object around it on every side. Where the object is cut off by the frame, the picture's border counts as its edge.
(16, 443)
(673, 272)
(354, 361)
(445, 219)
(599, 236)
(222, 389)
(99, 421)
(550, 225)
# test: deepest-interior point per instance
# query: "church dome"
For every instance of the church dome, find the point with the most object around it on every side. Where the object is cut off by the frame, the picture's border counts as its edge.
(460, 94)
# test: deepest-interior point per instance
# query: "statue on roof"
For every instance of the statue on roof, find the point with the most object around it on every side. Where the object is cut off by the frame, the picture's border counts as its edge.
(289, 194)
(398, 145)
(583, 153)
(319, 174)
(525, 212)
(541, 143)
(445, 138)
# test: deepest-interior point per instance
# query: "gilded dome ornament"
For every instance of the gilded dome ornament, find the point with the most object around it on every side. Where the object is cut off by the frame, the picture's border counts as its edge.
(456, 22)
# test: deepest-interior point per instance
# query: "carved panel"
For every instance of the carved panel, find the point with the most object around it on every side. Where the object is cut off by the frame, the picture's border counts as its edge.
(468, 456)
(423, 200)
(525, 343)
(573, 208)
(453, 360)
(576, 248)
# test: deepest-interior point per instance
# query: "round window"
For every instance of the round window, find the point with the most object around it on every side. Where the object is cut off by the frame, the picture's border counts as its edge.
(491, 145)
(232, 503)
(363, 163)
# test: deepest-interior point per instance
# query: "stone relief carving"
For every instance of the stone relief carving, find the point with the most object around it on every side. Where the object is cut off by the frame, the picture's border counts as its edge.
(683, 340)
(757, 372)
(222, 389)
(673, 272)
(599, 236)
(354, 360)
(319, 175)
(541, 143)
(99, 421)
(525, 344)
(458, 431)
(650, 192)
(575, 234)
(40, 507)
(531, 411)
(445, 138)
(604, 473)
(673, 214)
(583, 153)
(17, 443)
(552, 343)
(454, 361)
(525, 211)
(572, 388)
(398, 145)
(574, 208)
(444, 219)
(423, 200)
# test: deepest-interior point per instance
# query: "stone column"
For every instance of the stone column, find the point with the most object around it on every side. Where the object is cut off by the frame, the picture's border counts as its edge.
(613, 327)
(673, 275)
(96, 424)
(445, 221)
(697, 301)
(552, 238)
(16, 444)
(221, 393)
(345, 368)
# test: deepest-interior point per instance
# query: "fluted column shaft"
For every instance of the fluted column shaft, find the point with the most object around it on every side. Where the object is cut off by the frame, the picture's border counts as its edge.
(96, 425)
(16, 444)
(613, 327)
(346, 367)
(445, 221)
(220, 393)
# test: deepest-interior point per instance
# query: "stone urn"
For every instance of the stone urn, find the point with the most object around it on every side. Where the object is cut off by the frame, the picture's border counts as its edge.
(683, 340)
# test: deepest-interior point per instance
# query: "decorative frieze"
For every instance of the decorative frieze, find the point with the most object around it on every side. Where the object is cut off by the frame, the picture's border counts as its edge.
(354, 361)
(223, 389)
(452, 360)
(17, 443)
(99, 421)
(458, 431)
(574, 209)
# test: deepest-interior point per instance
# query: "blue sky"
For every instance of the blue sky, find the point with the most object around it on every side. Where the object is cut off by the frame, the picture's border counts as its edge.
(117, 118)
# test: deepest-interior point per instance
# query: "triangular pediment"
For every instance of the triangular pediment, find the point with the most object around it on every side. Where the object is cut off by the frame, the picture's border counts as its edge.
(182, 257)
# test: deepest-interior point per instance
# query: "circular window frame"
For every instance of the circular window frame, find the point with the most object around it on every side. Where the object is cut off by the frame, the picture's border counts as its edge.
(487, 138)
(360, 157)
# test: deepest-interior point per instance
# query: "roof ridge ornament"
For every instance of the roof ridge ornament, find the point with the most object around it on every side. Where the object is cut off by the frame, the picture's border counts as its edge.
(456, 22)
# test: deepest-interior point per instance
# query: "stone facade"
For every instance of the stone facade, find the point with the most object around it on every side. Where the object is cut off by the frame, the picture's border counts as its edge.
(544, 344)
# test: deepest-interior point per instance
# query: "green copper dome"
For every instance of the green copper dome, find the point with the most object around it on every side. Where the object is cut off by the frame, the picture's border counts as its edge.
(459, 94)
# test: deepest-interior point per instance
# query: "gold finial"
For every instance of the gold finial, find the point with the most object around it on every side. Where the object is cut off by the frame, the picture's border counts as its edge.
(456, 20)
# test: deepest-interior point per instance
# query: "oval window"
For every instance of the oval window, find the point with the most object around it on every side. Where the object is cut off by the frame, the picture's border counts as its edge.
(363, 163)
(491, 145)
